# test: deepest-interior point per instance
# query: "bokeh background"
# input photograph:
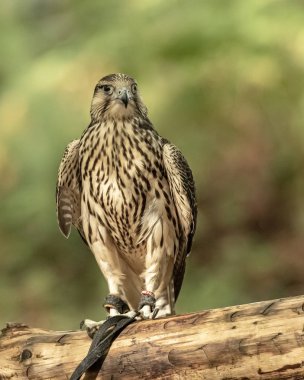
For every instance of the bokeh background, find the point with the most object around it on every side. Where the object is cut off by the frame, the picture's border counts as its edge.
(223, 80)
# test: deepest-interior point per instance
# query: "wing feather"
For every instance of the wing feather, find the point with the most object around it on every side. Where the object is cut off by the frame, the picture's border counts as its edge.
(182, 189)
(68, 190)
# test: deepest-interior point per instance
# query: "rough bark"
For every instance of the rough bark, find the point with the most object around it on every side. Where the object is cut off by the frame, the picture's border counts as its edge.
(263, 340)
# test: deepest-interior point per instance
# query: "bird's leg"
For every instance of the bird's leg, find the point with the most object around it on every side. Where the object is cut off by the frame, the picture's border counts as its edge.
(152, 308)
(114, 305)
(110, 265)
(158, 274)
(147, 304)
(165, 302)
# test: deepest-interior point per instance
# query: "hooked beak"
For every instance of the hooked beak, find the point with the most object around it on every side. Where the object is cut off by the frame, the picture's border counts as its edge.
(123, 96)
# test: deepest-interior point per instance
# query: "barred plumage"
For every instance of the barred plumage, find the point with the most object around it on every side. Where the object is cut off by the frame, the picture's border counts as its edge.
(130, 193)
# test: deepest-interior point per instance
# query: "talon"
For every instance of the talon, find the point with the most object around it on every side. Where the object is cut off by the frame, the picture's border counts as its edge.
(132, 314)
(155, 312)
(114, 306)
(147, 304)
(90, 326)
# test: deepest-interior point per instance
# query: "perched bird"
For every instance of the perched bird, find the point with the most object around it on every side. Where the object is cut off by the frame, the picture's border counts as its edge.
(130, 194)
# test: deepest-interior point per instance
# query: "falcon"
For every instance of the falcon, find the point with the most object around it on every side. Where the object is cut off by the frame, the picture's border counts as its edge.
(130, 193)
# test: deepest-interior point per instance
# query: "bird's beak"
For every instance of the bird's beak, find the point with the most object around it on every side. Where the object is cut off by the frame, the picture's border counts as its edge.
(124, 96)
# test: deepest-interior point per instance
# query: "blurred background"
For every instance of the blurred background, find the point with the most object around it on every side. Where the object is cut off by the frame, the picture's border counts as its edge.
(223, 80)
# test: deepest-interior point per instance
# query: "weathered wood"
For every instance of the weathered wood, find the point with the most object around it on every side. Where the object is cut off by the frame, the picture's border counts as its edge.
(263, 340)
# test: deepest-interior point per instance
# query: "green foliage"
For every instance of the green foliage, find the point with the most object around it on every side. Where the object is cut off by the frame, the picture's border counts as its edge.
(223, 80)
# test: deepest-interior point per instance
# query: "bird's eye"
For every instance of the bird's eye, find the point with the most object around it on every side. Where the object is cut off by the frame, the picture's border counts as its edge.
(107, 89)
(134, 88)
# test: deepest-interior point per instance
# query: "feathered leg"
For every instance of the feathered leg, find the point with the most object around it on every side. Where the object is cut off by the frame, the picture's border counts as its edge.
(121, 286)
(158, 275)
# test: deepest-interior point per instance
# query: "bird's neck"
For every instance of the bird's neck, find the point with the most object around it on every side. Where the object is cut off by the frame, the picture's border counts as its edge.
(125, 144)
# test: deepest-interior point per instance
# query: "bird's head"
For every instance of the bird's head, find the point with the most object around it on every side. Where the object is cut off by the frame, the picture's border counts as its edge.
(116, 96)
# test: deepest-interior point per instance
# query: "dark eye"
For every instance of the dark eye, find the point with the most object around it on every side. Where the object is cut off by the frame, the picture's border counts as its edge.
(107, 89)
(134, 88)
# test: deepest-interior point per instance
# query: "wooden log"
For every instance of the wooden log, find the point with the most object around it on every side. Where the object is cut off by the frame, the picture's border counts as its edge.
(263, 340)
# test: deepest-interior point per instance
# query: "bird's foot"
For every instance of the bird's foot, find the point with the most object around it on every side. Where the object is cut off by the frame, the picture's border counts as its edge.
(114, 305)
(147, 309)
(144, 313)
(90, 326)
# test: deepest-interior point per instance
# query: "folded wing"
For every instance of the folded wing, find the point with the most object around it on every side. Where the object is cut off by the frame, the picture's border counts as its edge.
(183, 192)
(68, 190)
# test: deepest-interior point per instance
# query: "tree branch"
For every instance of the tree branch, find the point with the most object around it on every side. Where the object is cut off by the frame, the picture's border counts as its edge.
(263, 340)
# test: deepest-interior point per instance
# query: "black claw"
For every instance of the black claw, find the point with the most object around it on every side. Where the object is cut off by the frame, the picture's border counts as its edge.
(91, 332)
(81, 324)
(155, 312)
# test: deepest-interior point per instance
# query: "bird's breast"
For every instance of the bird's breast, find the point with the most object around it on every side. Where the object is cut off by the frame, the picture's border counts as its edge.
(121, 170)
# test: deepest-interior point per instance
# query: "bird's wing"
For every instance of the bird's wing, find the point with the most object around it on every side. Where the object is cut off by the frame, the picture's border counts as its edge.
(68, 190)
(182, 189)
